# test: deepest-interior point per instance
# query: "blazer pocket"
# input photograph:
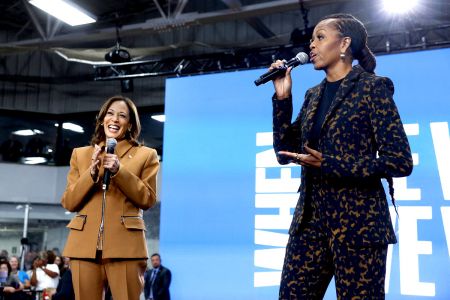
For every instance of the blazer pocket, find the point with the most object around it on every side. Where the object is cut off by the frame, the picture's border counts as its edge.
(133, 222)
(77, 223)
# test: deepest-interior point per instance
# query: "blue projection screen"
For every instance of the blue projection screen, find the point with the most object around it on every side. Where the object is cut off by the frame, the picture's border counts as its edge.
(227, 204)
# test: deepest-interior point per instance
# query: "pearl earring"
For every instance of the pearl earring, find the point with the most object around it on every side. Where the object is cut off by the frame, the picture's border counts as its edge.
(342, 55)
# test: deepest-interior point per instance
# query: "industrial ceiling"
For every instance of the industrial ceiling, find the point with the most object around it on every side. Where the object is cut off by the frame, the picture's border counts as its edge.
(38, 52)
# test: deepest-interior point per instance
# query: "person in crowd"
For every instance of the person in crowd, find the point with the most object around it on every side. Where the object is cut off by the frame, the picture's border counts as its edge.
(106, 242)
(45, 275)
(51, 257)
(64, 290)
(58, 260)
(347, 137)
(66, 262)
(11, 286)
(157, 280)
(30, 257)
(4, 254)
(21, 274)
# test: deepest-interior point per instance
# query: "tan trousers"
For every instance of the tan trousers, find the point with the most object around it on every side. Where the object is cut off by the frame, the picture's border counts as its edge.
(91, 277)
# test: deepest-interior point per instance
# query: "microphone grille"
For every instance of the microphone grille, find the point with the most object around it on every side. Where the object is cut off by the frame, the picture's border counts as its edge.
(111, 143)
(302, 57)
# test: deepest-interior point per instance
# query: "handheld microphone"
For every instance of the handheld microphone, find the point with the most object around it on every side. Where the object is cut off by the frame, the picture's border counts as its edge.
(110, 145)
(300, 59)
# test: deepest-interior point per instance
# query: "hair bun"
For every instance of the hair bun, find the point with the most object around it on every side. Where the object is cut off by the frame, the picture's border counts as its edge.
(366, 59)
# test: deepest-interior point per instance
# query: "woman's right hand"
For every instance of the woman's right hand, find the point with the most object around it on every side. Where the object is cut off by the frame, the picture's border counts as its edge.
(283, 85)
(95, 161)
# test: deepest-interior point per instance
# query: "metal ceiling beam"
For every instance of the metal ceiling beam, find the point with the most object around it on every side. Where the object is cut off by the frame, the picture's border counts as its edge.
(162, 24)
(181, 4)
(35, 20)
(244, 59)
(22, 29)
(254, 22)
(161, 11)
(260, 27)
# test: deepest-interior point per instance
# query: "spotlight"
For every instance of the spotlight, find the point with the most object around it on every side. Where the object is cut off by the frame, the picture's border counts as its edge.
(118, 55)
(301, 36)
(399, 6)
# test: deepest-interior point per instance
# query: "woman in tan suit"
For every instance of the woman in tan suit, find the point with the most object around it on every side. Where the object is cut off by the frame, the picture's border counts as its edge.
(106, 242)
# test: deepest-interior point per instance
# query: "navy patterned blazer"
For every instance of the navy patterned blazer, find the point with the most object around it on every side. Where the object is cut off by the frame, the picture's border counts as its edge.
(362, 140)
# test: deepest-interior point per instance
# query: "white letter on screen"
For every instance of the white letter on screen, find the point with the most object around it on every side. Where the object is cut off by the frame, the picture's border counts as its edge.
(445, 210)
(441, 141)
(267, 159)
(282, 219)
(410, 248)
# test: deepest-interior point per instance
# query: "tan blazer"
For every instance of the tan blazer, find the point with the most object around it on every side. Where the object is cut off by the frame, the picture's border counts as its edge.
(132, 189)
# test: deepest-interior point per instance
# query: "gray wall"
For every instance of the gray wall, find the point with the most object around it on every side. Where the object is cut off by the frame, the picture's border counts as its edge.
(31, 184)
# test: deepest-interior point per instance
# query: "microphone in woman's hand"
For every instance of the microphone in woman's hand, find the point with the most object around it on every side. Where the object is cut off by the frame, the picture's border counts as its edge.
(300, 59)
(110, 146)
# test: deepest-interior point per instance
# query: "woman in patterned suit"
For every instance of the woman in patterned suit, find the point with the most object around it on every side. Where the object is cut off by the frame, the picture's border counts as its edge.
(106, 242)
(347, 137)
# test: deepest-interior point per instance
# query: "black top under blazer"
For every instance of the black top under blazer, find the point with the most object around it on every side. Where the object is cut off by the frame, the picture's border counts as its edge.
(362, 140)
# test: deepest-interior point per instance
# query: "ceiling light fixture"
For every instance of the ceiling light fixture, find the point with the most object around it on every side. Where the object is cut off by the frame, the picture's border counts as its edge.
(64, 11)
(399, 6)
(159, 118)
(35, 160)
(71, 126)
(27, 132)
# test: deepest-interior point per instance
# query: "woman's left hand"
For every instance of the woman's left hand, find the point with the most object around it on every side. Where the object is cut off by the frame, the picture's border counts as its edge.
(312, 159)
(111, 162)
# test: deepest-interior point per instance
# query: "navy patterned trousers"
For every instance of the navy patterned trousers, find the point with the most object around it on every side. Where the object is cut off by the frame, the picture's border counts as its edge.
(313, 258)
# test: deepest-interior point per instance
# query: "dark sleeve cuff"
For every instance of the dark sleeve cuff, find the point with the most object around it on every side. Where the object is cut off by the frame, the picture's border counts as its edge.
(275, 99)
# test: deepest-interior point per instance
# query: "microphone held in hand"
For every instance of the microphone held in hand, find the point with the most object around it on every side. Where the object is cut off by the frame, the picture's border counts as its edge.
(110, 145)
(300, 59)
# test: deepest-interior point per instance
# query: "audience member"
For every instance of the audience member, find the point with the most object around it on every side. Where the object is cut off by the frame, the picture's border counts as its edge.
(4, 254)
(10, 282)
(45, 275)
(64, 291)
(157, 280)
(60, 261)
(21, 274)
